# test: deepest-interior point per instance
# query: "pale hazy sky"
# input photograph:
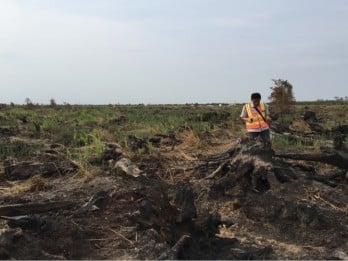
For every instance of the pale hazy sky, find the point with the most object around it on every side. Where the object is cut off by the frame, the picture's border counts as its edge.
(170, 51)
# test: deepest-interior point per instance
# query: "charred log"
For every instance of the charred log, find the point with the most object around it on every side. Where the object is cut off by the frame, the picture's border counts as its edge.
(284, 174)
(53, 165)
(336, 158)
(332, 180)
(33, 208)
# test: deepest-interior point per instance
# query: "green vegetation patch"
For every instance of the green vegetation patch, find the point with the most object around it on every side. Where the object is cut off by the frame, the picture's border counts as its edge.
(18, 150)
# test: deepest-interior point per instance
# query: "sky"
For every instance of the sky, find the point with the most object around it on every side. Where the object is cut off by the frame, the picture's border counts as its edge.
(170, 51)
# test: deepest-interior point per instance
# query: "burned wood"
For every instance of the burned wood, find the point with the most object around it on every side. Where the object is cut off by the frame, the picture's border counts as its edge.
(223, 156)
(124, 165)
(173, 253)
(247, 164)
(284, 174)
(324, 180)
(309, 116)
(208, 224)
(32, 222)
(184, 200)
(159, 140)
(215, 163)
(207, 167)
(336, 158)
(22, 170)
(53, 165)
(91, 205)
(178, 245)
(242, 176)
(34, 208)
(333, 180)
(218, 170)
(112, 152)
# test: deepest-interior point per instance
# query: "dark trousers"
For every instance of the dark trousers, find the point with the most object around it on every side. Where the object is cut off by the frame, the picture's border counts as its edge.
(263, 136)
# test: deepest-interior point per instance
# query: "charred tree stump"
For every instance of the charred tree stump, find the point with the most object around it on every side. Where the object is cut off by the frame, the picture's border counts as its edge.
(246, 164)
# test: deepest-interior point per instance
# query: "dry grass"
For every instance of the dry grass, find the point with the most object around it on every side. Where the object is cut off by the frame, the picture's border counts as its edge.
(300, 126)
(190, 141)
(34, 184)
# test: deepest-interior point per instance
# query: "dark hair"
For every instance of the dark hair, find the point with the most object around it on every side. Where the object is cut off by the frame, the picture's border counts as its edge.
(255, 95)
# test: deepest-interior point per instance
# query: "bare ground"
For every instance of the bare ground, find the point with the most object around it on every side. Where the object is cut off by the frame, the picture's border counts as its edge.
(179, 205)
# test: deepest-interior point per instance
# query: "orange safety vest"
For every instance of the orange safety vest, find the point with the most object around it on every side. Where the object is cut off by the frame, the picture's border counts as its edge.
(258, 121)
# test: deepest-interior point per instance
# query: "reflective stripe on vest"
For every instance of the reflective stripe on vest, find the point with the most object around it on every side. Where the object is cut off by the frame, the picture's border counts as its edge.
(258, 121)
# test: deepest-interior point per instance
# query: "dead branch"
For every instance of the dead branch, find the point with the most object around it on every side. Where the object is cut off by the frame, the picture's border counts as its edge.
(121, 236)
(218, 170)
(34, 208)
(173, 253)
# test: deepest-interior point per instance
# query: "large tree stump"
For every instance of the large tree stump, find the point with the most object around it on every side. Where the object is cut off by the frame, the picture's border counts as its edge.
(246, 164)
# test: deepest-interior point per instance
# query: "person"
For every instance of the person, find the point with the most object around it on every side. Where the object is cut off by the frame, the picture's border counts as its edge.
(255, 114)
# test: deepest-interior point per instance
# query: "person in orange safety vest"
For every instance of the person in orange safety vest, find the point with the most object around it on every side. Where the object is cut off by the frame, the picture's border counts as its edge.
(255, 114)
